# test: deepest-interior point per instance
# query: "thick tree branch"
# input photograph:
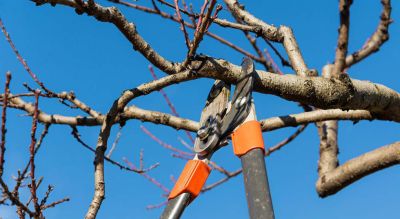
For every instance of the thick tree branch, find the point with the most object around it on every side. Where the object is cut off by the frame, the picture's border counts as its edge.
(292, 49)
(314, 116)
(382, 102)
(328, 148)
(336, 94)
(357, 168)
(116, 108)
(268, 31)
(253, 42)
(328, 135)
(270, 124)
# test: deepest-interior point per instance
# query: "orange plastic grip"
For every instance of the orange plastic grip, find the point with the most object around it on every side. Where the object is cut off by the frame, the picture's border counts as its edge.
(191, 180)
(246, 137)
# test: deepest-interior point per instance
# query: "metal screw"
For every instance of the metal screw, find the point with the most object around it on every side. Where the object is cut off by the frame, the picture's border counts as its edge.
(202, 133)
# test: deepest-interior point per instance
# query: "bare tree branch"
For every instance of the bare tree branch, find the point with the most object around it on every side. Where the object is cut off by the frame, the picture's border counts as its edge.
(33, 185)
(313, 116)
(169, 102)
(292, 49)
(285, 141)
(201, 29)
(328, 135)
(22, 60)
(3, 122)
(182, 22)
(77, 136)
(343, 38)
(342, 97)
(268, 31)
(114, 16)
(379, 37)
(269, 124)
(358, 167)
(193, 26)
(316, 91)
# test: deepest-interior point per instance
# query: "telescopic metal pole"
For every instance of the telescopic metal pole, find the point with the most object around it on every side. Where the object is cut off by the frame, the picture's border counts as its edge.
(176, 206)
(256, 185)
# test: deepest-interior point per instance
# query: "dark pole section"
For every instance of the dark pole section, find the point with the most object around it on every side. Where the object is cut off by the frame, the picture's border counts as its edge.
(256, 183)
(176, 206)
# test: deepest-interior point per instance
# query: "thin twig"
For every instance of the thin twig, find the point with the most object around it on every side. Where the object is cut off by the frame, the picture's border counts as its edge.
(163, 144)
(3, 122)
(169, 102)
(284, 62)
(201, 15)
(193, 26)
(253, 42)
(22, 175)
(184, 143)
(50, 188)
(76, 135)
(55, 203)
(182, 27)
(151, 207)
(219, 182)
(15, 200)
(114, 145)
(285, 141)
(202, 27)
(273, 63)
(33, 186)
(151, 179)
(378, 38)
(22, 60)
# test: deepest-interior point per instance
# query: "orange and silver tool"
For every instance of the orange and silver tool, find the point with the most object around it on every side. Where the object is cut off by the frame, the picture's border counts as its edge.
(220, 120)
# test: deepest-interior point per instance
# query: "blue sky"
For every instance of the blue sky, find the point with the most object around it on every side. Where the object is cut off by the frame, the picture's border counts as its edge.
(71, 52)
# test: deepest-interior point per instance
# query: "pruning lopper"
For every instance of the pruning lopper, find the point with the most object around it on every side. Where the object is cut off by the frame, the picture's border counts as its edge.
(220, 120)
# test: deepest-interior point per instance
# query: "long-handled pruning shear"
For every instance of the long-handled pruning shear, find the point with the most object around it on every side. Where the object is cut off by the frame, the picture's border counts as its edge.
(220, 120)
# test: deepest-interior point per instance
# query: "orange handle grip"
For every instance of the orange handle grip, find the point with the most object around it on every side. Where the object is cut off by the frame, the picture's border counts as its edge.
(246, 137)
(191, 180)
